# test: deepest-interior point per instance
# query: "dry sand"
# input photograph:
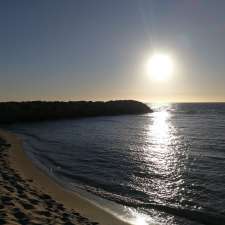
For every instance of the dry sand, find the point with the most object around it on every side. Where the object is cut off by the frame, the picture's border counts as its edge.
(29, 196)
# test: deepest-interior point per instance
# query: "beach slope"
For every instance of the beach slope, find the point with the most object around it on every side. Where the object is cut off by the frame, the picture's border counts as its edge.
(29, 196)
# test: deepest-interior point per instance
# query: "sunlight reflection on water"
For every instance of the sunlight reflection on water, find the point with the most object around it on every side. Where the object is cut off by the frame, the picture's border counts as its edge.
(162, 156)
(159, 131)
(137, 218)
(140, 221)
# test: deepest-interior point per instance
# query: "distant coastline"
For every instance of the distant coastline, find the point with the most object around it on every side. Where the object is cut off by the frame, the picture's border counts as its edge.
(11, 112)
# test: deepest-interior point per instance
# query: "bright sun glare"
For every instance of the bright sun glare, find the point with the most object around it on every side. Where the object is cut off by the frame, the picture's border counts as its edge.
(160, 66)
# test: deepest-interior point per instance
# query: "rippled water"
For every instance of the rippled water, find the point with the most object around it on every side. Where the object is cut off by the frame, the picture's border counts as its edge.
(169, 164)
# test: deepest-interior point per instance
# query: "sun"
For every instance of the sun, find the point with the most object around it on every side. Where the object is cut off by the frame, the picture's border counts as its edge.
(160, 66)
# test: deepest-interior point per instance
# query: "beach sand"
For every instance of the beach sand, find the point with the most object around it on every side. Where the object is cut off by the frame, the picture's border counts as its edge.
(29, 196)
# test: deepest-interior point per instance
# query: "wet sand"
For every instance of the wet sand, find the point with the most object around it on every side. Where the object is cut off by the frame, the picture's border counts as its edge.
(29, 196)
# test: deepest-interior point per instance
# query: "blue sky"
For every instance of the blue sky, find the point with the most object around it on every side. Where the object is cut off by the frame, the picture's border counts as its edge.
(95, 49)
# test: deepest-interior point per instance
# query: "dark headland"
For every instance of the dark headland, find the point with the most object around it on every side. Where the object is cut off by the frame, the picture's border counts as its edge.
(11, 112)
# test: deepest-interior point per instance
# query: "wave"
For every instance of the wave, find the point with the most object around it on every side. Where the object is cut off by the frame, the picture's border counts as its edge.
(111, 193)
(207, 218)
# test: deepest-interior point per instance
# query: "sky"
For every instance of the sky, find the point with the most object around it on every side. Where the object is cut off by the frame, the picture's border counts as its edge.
(98, 49)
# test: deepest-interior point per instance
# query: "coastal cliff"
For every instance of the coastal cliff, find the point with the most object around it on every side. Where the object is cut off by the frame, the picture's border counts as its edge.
(11, 112)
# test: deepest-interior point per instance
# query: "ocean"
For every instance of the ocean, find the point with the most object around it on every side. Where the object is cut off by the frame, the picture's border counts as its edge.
(165, 167)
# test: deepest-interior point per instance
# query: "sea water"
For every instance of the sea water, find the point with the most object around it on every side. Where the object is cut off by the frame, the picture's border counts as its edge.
(165, 167)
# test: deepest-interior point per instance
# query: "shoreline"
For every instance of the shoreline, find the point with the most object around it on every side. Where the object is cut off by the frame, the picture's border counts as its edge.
(41, 182)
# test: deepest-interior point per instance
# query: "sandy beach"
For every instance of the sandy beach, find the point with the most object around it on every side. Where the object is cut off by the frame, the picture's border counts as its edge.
(29, 196)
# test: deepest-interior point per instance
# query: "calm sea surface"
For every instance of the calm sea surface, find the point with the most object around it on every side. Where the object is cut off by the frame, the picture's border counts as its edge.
(167, 167)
